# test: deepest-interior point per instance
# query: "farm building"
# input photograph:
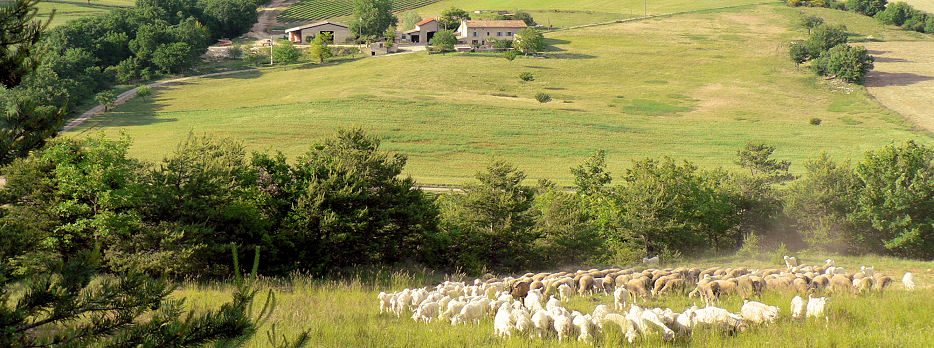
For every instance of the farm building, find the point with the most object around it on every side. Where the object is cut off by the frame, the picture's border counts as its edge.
(423, 31)
(484, 33)
(306, 33)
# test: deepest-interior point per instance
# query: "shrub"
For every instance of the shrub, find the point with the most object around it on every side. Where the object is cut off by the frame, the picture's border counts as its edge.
(526, 76)
(845, 62)
(444, 40)
(543, 97)
(750, 248)
(510, 55)
(799, 53)
(143, 91)
(815, 121)
(502, 44)
(284, 52)
(895, 14)
(824, 38)
(778, 256)
(529, 40)
(867, 7)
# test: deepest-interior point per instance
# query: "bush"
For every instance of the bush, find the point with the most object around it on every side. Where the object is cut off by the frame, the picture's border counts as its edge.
(510, 55)
(529, 40)
(750, 248)
(543, 97)
(815, 121)
(143, 91)
(895, 14)
(502, 44)
(284, 52)
(845, 62)
(824, 38)
(526, 76)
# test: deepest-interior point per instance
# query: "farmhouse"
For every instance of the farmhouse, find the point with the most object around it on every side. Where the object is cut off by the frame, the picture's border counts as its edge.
(423, 31)
(306, 33)
(484, 33)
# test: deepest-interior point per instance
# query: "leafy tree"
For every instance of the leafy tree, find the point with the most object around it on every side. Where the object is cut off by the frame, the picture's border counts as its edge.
(799, 53)
(867, 7)
(144, 91)
(542, 97)
(810, 22)
(819, 204)
(510, 55)
(373, 18)
(492, 223)
(410, 19)
(895, 200)
(106, 98)
(174, 57)
(390, 36)
(444, 40)
(319, 49)
(896, 13)
(284, 52)
(568, 233)
(845, 62)
(228, 18)
(529, 40)
(502, 44)
(756, 157)
(824, 38)
(451, 18)
(344, 203)
(525, 17)
(19, 40)
(591, 176)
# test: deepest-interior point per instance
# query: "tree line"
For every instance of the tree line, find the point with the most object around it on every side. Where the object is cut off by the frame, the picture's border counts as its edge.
(899, 13)
(344, 203)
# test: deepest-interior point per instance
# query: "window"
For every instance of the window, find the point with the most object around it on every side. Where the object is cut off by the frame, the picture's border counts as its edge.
(475, 34)
(499, 33)
(487, 33)
(508, 33)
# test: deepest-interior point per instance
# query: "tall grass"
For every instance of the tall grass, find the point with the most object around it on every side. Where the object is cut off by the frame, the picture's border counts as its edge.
(342, 311)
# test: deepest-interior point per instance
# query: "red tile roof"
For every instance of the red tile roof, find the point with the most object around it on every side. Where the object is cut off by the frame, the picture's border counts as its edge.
(497, 24)
(425, 21)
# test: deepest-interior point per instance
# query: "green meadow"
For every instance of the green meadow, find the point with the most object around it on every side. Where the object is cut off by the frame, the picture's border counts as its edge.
(344, 312)
(695, 87)
(66, 10)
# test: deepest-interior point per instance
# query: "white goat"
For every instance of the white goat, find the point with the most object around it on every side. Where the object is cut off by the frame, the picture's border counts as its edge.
(542, 322)
(563, 326)
(426, 311)
(385, 302)
(565, 292)
(584, 325)
(717, 316)
(472, 311)
(652, 261)
(816, 306)
(625, 325)
(790, 261)
(502, 323)
(619, 297)
(798, 307)
(909, 281)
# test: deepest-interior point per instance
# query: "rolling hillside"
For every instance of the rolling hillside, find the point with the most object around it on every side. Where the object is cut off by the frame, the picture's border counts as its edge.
(694, 86)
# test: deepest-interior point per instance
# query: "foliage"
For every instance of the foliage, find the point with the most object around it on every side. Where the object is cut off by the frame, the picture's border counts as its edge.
(591, 176)
(228, 18)
(845, 62)
(529, 40)
(143, 91)
(815, 121)
(410, 19)
(492, 223)
(319, 49)
(451, 18)
(510, 55)
(750, 248)
(284, 52)
(526, 76)
(756, 157)
(894, 200)
(444, 40)
(106, 98)
(867, 7)
(525, 17)
(542, 97)
(502, 44)
(568, 234)
(799, 53)
(19, 40)
(373, 18)
(819, 204)
(824, 38)
(810, 22)
(25, 124)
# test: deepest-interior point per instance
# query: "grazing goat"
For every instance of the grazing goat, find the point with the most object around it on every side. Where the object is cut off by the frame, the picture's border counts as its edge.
(909, 281)
(652, 261)
(502, 323)
(797, 307)
(816, 306)
(758, 312)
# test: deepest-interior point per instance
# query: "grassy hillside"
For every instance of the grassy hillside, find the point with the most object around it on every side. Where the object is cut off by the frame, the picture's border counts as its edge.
(66, 10)
(923, 5)
(693, 87)
(345, 313)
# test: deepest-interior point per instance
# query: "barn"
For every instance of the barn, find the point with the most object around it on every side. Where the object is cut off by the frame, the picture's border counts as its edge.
(306, 33)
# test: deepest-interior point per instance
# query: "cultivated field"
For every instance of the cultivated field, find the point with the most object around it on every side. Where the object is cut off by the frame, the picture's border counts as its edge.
(345, 313)
(923, 5)
(693, 87)
(66, 10)
(311, 10)
(903, 79)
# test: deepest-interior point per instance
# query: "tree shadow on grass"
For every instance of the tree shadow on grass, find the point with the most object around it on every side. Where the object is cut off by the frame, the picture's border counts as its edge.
(242, 75)
(886, 79)
(136, 112)
(891, 60)
(568, 55)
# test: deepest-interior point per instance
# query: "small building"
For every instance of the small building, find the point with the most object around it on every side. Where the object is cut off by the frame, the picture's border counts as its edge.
(306, 33)
(423, 32)
(484, 33)
(378, 48)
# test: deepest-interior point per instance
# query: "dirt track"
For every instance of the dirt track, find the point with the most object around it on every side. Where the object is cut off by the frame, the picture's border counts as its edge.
(268, 18)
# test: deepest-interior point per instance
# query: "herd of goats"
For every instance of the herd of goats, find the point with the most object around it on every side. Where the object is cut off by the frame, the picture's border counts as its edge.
(528, 304)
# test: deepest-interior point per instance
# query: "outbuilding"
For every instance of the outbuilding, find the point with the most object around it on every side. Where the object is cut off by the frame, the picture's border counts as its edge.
(423, 32)
(306, 33)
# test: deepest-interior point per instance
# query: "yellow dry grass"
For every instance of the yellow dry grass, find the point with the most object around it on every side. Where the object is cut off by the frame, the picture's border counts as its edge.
(903, 79)
(923, 5)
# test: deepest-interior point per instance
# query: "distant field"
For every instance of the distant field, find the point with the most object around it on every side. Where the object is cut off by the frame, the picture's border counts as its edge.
(66, 10)
(693, 87)
(311, 10)
(903, 79)
(621, 8)
(345, 313)
(923, 5)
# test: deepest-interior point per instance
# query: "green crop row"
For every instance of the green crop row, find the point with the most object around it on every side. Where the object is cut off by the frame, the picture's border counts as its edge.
(308, 10)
